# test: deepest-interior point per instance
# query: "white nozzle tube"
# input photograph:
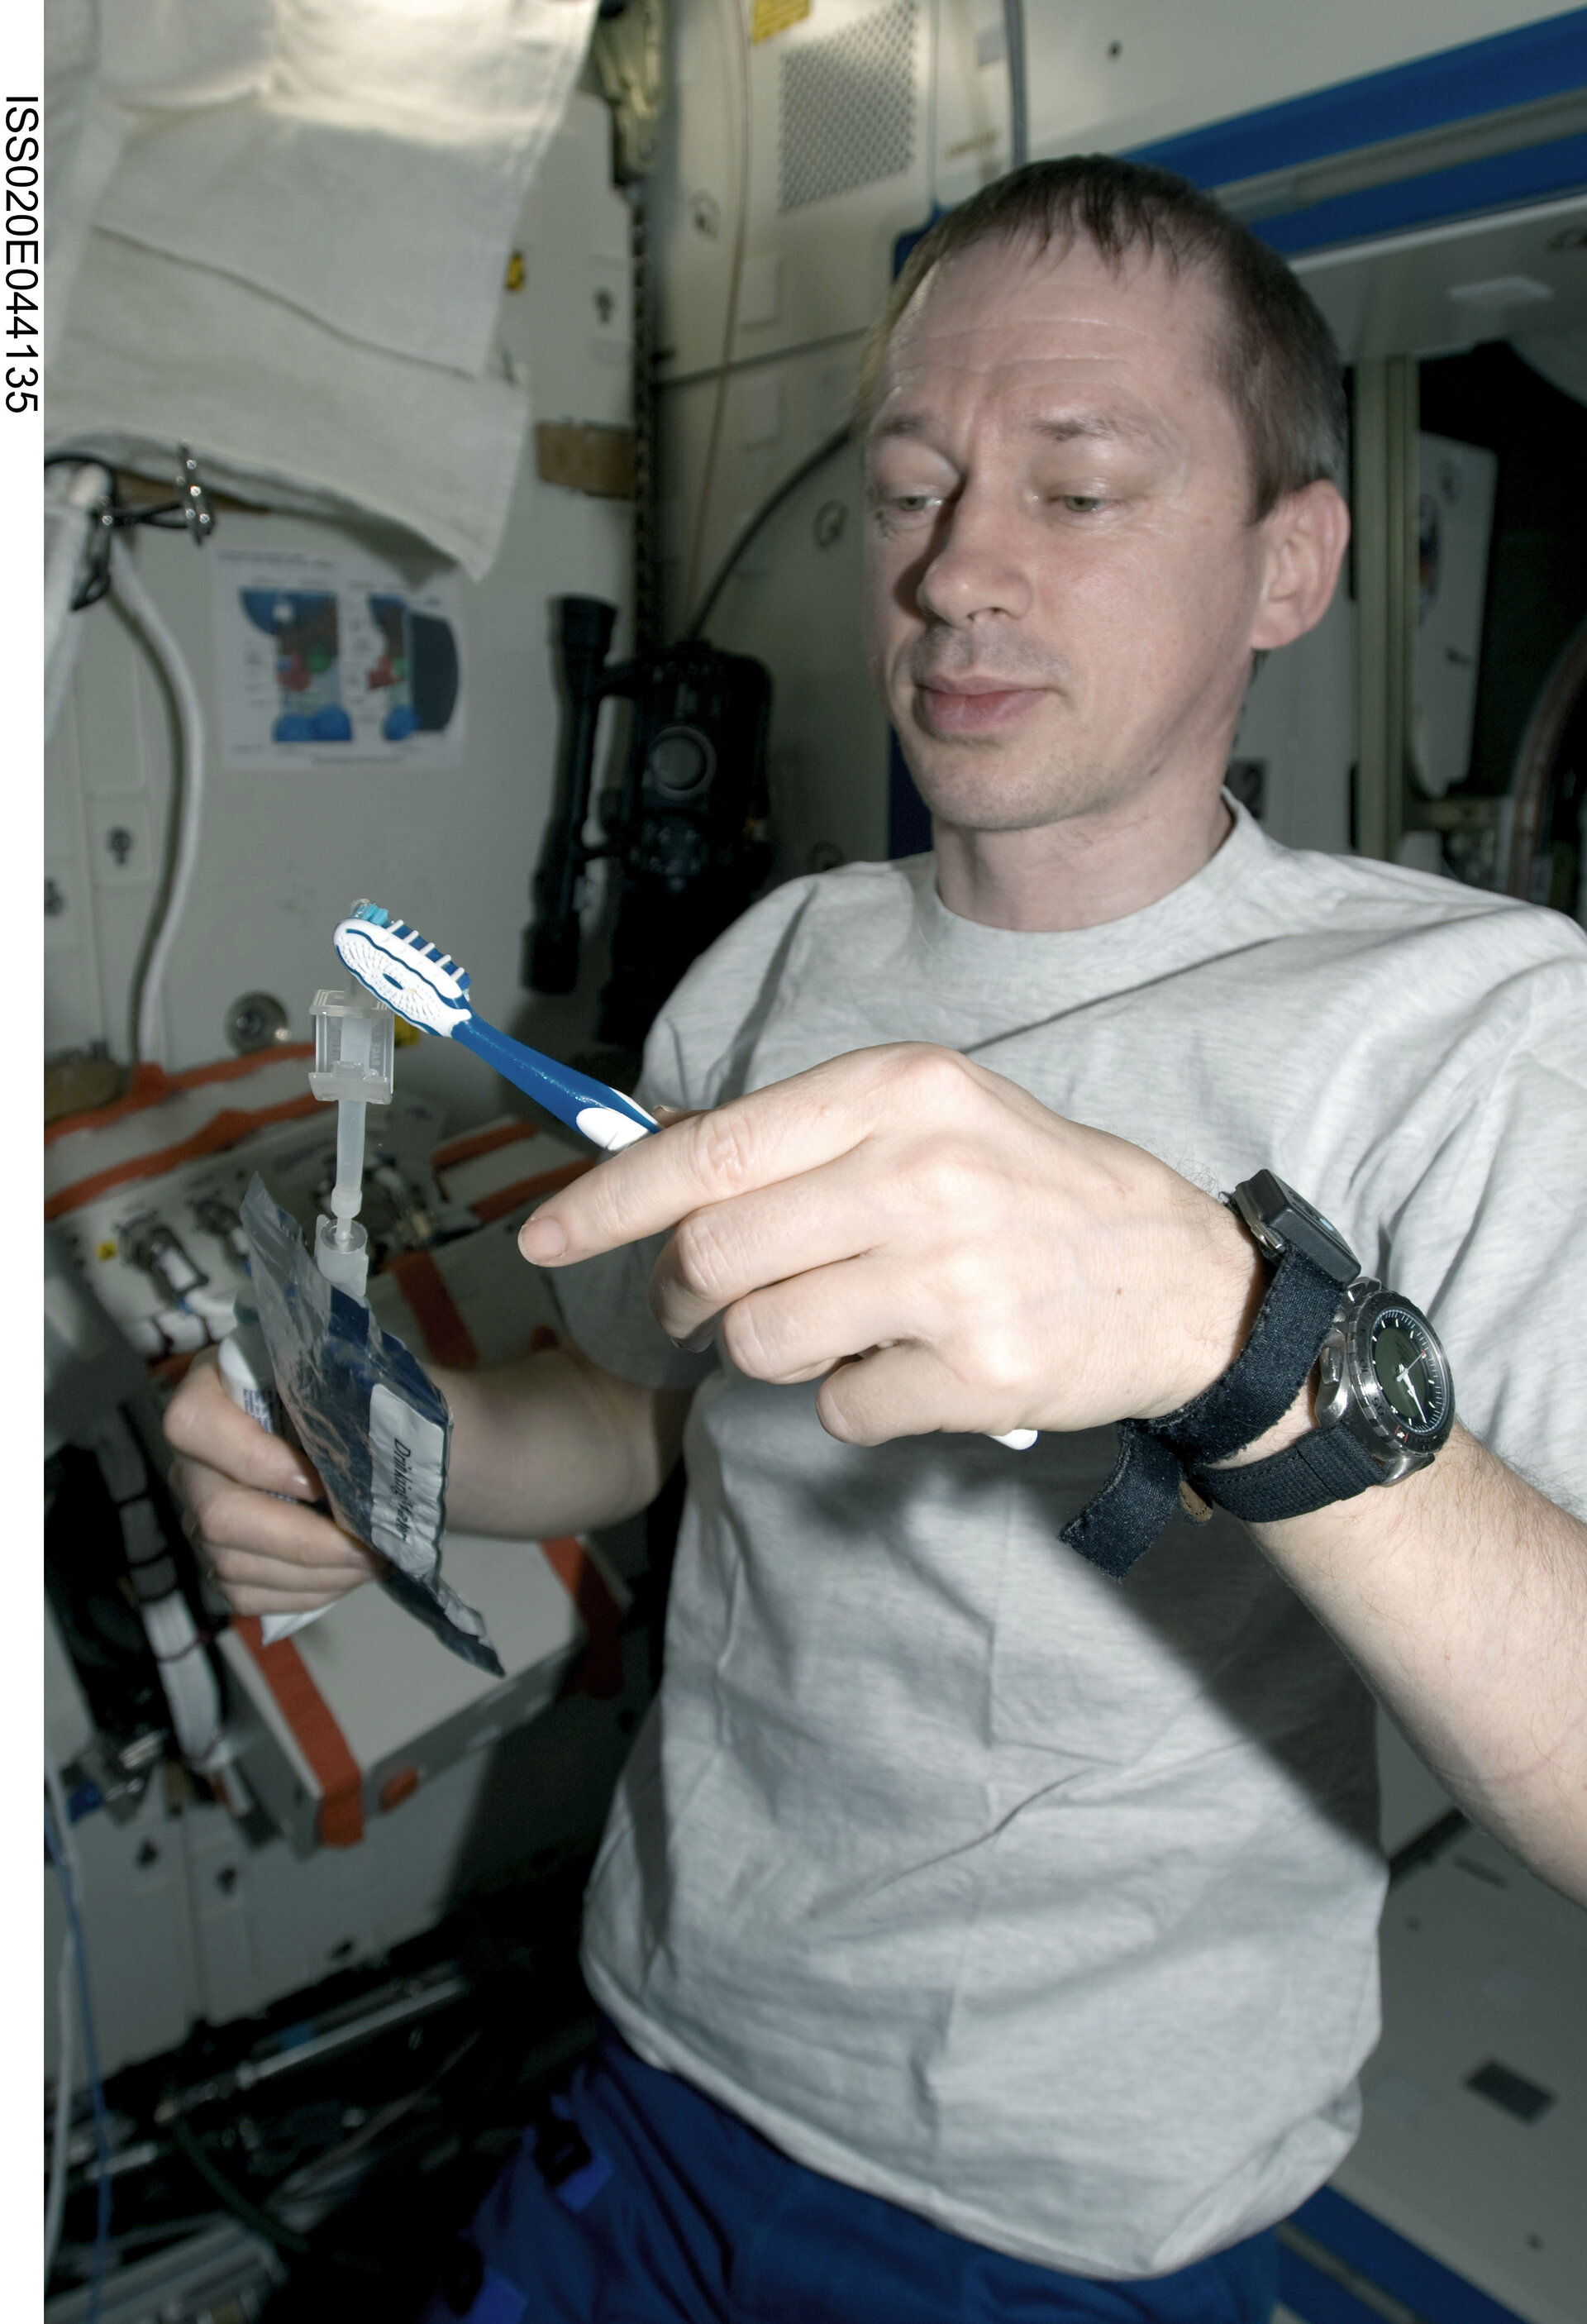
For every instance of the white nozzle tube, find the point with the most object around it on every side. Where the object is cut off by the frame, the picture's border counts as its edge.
(347, 1196)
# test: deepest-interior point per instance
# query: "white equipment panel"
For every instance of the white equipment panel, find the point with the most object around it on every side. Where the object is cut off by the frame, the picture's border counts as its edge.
(1108, 75)
(283, 853)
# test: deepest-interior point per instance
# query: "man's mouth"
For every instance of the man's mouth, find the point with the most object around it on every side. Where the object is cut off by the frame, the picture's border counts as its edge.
(971, 705)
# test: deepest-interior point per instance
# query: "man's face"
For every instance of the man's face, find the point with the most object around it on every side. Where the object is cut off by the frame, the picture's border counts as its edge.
(1063, 587)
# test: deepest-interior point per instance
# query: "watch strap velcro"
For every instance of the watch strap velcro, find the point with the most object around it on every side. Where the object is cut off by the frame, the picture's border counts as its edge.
(1267, 1375)
(1327, 1465)
(1123, 1520)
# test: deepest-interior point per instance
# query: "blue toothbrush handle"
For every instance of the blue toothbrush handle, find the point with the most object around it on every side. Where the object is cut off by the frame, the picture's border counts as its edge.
(602, 1114)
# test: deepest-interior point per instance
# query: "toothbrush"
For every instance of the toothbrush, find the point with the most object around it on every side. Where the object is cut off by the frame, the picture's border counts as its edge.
(426, 985)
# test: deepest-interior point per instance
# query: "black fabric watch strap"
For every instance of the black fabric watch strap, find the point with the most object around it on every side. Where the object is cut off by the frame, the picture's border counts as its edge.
(1327, 1465)
(1257, 1390)
(1267, 1375)
(1134, 1507)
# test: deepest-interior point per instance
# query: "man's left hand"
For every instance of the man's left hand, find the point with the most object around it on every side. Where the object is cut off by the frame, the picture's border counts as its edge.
(941, 1249)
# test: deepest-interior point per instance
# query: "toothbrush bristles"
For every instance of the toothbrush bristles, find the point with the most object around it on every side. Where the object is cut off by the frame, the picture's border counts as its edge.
(405, 933)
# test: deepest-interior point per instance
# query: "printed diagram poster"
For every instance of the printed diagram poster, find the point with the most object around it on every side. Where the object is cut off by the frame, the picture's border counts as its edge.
(336, 661)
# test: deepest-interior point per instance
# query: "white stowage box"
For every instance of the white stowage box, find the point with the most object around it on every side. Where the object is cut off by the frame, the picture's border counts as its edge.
(345, 1721)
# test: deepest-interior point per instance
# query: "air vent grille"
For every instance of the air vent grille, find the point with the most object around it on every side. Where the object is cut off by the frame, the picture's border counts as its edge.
(848, 107)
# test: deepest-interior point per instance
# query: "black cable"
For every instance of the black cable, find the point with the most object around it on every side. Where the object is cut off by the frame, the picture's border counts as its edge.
(263, 2221)
(767, 508)
(1019, 85)
(113, 515)
(236, 2202)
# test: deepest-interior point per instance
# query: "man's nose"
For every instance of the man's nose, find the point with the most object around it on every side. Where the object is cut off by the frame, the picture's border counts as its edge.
(976, 566)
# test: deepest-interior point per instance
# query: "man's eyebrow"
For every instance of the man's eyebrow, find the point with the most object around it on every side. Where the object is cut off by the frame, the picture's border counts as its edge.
(1059, 428)
(901, 423)
(1064, 427)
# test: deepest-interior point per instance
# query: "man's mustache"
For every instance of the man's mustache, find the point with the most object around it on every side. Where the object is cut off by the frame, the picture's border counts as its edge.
(987, 671)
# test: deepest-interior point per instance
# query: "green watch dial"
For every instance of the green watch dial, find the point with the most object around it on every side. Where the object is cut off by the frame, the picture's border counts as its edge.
(1410, 1368)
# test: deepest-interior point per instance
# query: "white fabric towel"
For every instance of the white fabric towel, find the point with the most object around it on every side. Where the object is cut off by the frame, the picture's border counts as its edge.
(283, 232)
(376, 178)
(278, 409)
(103, 71)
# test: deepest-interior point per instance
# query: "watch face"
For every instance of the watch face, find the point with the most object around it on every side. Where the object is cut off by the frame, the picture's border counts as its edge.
(1409, 1366)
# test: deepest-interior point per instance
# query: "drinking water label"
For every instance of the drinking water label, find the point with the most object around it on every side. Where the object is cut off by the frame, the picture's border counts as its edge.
(408, 1462)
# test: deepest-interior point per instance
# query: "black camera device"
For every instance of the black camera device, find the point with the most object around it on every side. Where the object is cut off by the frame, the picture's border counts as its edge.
(689, 831)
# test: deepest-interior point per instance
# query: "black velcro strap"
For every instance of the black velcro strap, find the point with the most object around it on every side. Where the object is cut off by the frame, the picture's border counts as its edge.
(1267, 1375)
(1134, 1507)
(1328, 1465)
(1242, 1404)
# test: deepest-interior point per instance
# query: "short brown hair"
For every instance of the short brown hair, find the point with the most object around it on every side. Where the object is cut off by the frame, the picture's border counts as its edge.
(1278, 365)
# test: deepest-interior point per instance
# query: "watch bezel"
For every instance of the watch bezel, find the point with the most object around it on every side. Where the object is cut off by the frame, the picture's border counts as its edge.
(1350, 1394)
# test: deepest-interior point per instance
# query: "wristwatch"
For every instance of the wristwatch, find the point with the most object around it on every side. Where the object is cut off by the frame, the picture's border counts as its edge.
(1385, 1401)
(1385, 1405)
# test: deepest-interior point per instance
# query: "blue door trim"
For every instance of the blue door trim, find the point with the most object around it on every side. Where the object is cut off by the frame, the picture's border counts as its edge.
(1502, 180)
(1515, 68)
(1315, 2297)
(1385, 2259)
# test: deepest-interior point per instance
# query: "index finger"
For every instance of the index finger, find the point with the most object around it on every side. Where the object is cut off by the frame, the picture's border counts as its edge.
(774, 1133)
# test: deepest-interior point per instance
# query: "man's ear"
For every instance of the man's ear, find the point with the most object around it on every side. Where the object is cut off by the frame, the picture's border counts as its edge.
(1306, 536)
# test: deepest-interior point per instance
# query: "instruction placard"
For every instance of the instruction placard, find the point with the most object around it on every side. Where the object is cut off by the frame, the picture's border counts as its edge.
(331, 660)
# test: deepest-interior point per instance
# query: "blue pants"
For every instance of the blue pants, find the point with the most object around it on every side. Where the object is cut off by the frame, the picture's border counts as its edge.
(637, 2200)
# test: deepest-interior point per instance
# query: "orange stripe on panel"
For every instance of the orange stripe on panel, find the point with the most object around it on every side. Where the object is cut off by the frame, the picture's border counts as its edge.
(152, 1085)
(476, 1142)
(424, 1288)
(320, 1738)
(227, 1128)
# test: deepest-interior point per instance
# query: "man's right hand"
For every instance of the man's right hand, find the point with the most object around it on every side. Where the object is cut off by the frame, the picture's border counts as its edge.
(270, 1556)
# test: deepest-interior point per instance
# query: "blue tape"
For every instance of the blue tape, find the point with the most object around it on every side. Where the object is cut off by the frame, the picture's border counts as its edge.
(1515, 68)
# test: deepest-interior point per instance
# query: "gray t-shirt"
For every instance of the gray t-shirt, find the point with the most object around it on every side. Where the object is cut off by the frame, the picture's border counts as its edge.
(1042, 1904)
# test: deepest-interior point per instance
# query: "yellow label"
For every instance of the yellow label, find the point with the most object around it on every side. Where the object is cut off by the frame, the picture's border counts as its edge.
(769, 17)
(404, 1035)
(106, 1250)
(516, 271)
